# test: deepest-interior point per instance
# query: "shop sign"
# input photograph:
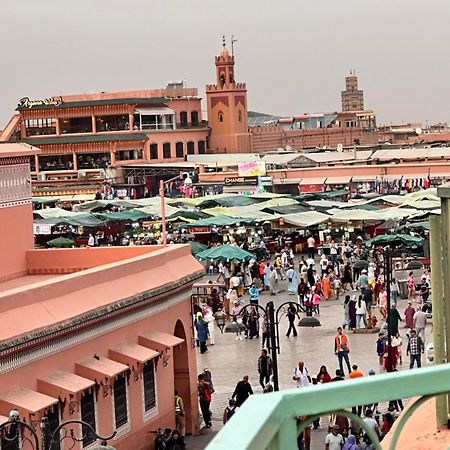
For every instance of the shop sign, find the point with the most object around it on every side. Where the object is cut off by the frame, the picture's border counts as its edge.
(42, 228)
(241, 181)
(200, 230)
(27, 103)
(265, 181)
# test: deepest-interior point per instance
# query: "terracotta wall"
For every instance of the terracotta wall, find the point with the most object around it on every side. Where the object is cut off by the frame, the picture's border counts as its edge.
(139, 437)
(16, 225)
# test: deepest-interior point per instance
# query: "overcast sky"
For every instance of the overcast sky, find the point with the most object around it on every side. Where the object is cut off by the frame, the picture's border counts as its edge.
(293, 54)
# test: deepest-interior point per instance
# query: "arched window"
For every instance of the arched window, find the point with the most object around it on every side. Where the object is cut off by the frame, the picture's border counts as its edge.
(153, 151)
(166, 151)
(190, 148)
(220, 116)
(194, 118)
(183, 119)
(201, 147)
(179, 150)
(240, 116)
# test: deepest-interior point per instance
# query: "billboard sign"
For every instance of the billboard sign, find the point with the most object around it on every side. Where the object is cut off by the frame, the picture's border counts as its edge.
(252, 169)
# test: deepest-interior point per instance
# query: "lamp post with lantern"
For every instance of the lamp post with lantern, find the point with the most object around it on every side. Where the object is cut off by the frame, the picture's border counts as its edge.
(162, 183)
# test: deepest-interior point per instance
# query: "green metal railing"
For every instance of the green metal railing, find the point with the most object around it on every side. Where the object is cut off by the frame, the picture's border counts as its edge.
(268, 421)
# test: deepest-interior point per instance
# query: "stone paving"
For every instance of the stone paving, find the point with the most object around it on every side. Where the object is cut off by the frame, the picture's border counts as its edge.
(230, 360)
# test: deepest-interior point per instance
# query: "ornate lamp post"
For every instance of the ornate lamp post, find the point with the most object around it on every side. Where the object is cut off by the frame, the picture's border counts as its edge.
(13, 431)
(272, 318)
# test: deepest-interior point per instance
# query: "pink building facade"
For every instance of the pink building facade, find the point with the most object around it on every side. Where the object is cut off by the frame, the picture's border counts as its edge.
(101, 335)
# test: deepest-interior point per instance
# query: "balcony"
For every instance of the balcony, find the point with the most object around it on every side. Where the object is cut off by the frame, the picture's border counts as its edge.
(268, 421)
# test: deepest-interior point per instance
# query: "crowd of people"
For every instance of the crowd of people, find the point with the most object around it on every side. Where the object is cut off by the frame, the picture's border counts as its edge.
(312, 281)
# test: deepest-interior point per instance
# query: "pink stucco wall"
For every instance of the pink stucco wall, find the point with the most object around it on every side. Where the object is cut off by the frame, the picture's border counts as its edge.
(17, 237)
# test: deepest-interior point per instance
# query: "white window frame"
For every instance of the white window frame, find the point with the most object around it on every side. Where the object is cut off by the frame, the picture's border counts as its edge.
(125, 428)
(147, 415)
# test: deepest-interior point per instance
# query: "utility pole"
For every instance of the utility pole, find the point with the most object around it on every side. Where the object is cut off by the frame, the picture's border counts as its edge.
(387, 280)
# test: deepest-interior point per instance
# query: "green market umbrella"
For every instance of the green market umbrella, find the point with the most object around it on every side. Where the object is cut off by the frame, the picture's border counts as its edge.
(197, 247)
(397, 239)
(61, 242)
(225, 253)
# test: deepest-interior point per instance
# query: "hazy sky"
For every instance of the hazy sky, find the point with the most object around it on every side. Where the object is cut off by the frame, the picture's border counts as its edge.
(293, 54)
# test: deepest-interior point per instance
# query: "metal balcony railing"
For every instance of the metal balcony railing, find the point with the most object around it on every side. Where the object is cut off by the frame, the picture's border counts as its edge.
(268, 421)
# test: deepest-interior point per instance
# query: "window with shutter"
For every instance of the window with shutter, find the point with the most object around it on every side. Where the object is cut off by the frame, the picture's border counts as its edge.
(120, 401)
(149, 386)
(87, 406)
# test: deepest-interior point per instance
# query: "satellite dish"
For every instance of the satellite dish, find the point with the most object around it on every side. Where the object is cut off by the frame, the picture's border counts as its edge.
(288, 148)
(280, 149)
(340, 148)
(418, 130)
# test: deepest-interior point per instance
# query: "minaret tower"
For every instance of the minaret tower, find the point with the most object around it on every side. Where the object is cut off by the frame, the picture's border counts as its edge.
(352, 98)
(227, 108)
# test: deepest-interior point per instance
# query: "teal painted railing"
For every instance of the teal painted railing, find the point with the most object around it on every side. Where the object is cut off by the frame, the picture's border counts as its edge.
(268, 421)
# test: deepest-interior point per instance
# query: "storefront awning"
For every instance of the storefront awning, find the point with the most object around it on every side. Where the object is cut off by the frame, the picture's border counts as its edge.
(154, 111)
(338, 180)
(130, 353)
(160, 341)
(60, 384)
(309, 181)
(25, 401)
(98, 369)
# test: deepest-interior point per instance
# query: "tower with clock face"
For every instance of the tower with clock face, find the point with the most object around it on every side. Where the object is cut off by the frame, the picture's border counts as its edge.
(227, 109)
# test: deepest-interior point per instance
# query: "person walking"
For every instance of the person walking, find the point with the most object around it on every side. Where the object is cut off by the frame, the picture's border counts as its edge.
(356, 373)
(202, 332)
(273, 279)
(292, 280)
(420, 322)
(361, 312)
(415, 349)
(409, 315)
(265, 333)
(254, 294)
(229, 411)
(205, 396)
(347, 279)
(265, 368)
(411, 283)
(310, 276)
(380, 350)
(342, 349)
(302, 289)
(394, 318)
(362, 281)
(180, 420)
(301, 375)
(292, 315)
(352, 312)
(334, 440)
(311, 242)
(242, 391)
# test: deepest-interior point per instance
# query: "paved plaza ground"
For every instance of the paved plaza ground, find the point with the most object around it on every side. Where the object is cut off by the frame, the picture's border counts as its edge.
(230, 360)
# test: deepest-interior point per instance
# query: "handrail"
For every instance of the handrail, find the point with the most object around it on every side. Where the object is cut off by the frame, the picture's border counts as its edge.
(268, 420)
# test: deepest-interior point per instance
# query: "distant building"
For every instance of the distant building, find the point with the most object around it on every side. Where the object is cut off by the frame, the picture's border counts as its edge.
(352, 98)
(101, 334)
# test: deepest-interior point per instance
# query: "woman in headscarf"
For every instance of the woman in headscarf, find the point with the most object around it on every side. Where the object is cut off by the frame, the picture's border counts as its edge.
(352, 311)
(253, 323)
(350, 443)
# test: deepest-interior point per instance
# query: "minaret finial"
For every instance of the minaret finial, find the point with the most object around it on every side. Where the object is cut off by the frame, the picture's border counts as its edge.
(223, 41)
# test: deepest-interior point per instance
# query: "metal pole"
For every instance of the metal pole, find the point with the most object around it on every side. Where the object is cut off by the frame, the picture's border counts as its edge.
(163, 213)
(444, 271)
(270, 312)
(387, 278)
(438, 311)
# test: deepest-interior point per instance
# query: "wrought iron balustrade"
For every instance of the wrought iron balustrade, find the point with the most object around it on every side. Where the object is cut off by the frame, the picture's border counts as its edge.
(268, 421)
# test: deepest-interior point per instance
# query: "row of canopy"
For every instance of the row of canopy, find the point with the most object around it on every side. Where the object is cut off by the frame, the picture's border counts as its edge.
(211, 210)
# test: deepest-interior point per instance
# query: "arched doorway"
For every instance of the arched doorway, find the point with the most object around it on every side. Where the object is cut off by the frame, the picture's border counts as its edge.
(182, 381)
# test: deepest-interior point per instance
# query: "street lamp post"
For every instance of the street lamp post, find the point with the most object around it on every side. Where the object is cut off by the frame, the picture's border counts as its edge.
(271, 316)
(387, 280)
(162, 183)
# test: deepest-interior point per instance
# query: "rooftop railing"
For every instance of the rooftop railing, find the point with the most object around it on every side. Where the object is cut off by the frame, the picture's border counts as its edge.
(268, 421)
